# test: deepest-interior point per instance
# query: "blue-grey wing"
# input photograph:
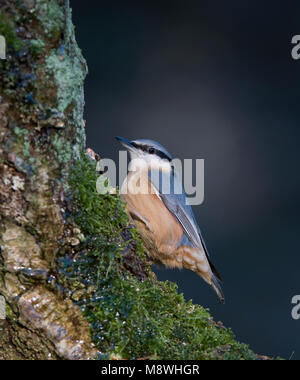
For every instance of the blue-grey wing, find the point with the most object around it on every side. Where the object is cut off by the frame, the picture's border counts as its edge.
(174, 198)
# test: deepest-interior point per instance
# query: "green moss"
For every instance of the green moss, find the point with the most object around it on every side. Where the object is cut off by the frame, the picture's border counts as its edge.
(131, 314)
(7, 30)
(36, 48)
(8, 311)
(22, 140)
(20, 131)
(26, 149)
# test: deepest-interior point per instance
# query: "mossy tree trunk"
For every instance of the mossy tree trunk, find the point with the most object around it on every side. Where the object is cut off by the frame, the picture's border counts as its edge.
(73, 271)
(41, 134)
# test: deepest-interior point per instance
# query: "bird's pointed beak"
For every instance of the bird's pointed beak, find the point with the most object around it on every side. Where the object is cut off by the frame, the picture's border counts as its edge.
(127, 144)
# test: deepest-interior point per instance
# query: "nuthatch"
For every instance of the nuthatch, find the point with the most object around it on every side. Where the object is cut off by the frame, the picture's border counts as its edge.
(164, 219)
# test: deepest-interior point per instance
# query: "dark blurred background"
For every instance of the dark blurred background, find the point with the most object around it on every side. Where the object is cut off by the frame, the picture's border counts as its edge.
(212, 80)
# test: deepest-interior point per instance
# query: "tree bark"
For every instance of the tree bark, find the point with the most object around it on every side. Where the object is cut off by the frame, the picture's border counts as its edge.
(41, 134)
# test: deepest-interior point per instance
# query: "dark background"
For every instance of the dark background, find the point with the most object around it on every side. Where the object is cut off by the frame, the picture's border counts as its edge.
(212, 80)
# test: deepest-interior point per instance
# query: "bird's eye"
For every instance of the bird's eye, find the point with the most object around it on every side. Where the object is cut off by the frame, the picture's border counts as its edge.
(151, 150)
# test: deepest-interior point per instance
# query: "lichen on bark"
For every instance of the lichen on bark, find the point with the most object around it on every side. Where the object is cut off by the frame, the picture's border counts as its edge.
(41, 133)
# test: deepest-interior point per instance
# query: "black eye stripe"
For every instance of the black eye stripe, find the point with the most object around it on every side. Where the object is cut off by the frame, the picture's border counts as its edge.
(146, 148)
(162, 155)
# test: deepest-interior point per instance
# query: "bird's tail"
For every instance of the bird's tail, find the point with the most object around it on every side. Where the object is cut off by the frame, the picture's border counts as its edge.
(216, 285)
(198, 261)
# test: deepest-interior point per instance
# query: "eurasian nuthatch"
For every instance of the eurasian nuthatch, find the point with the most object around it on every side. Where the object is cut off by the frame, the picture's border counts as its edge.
(164, 219)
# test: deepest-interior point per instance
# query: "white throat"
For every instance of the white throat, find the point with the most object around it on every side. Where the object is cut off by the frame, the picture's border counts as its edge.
(140, 161)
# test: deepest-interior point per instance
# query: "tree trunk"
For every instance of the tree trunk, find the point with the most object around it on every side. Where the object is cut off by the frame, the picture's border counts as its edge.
(74, 277)
(41, 133)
